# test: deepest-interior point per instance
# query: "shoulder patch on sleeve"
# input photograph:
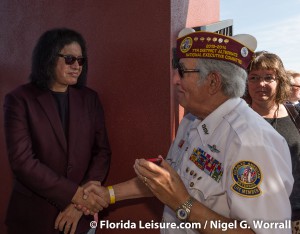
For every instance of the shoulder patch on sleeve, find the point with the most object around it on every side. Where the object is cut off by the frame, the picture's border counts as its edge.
(246, 177)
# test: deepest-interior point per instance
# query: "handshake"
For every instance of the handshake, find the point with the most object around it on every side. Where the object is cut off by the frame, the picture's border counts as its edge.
(92, 197)
(153, 175)
(89, 199)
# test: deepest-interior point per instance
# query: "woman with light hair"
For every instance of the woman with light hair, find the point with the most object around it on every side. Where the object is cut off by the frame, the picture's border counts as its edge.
(268, 90)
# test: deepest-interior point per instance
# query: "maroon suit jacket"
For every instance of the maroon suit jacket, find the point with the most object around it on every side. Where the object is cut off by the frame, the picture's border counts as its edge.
(47, 165)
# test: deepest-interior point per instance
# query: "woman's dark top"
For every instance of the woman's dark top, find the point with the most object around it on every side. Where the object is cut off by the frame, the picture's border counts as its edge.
(286, 127)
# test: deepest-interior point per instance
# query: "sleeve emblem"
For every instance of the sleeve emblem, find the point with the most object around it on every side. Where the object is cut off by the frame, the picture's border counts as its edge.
(246, 177)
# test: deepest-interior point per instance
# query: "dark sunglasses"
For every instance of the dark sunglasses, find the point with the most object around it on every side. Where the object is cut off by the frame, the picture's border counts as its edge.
(181, 70)
(70, 59)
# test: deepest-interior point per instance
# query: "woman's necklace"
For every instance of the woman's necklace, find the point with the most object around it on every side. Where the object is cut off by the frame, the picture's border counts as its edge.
(275, 118)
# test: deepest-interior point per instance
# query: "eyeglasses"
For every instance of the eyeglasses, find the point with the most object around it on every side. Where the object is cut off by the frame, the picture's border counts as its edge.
(266, 79)
(181, 70)
(70, 59)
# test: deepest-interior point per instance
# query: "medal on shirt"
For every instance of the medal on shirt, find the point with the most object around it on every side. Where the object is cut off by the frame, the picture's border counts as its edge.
(181, 143)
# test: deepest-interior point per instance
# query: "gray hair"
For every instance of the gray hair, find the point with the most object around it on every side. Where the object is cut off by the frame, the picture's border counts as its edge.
(233, 77)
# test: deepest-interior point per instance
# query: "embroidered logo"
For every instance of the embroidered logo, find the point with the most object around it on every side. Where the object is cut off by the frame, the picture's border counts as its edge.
(213, 148)
(186, 44)
(207, 163)
(246, 176)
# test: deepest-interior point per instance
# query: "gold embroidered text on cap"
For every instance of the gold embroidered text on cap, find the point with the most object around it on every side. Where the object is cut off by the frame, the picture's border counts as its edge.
(238, 49)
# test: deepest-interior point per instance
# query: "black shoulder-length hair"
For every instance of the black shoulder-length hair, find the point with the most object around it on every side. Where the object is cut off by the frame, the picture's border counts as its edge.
(44, 56)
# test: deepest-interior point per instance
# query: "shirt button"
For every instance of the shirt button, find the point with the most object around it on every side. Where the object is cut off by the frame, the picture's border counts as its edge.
(187, 169)
(192, 172)
(192, 184)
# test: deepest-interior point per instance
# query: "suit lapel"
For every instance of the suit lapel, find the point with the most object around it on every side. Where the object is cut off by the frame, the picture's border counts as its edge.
(48, 105)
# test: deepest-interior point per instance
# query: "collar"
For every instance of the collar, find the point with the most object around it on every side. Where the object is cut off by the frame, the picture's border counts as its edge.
(212, 121)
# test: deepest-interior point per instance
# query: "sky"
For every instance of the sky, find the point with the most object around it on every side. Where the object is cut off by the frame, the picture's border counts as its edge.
(274, 24)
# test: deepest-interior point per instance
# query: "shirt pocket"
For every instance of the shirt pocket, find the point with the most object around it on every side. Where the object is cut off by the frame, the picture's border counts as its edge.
(177, 154)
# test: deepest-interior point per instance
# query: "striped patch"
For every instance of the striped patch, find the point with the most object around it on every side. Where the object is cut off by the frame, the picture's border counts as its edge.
(207, 163)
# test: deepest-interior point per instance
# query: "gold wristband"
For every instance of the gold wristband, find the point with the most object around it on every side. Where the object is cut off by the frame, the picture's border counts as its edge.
(111, 195)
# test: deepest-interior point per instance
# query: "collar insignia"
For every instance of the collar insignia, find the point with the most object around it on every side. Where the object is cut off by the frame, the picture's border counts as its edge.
(204, 128)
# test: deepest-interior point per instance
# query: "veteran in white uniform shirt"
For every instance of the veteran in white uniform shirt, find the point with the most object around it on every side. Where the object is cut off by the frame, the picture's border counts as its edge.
(236, 165)
(227, 169)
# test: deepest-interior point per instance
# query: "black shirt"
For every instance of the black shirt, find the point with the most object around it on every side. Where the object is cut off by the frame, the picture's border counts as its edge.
(62, 103)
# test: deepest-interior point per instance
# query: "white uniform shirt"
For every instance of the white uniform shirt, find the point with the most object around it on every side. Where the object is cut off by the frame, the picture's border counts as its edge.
(234, 148)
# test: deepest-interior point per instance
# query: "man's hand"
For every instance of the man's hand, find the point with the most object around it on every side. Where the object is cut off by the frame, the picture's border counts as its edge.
(91, 201)
(67, 220)
(163, 181)
(96, 188)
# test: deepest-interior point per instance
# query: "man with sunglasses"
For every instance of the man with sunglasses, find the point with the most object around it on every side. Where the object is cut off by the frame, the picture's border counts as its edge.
(227, 169)
(56, 140)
